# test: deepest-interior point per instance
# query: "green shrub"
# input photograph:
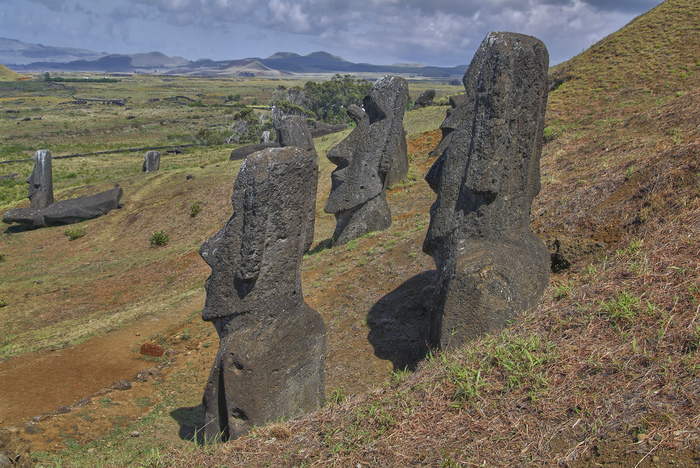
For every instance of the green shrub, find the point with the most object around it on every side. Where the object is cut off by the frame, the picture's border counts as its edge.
(196, 208)
(74, 233)
(159, 238)
(3, 257)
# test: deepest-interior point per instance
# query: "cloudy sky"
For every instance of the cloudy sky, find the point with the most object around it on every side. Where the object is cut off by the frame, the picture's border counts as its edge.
(433, 32)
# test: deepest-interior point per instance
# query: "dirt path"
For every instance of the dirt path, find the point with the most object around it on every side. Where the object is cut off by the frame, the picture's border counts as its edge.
(40, 383)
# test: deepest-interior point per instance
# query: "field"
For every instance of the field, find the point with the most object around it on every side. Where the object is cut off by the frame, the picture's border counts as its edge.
(604, 372)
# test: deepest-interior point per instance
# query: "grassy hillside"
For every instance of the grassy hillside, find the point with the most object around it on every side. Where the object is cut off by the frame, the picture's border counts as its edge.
(604, 372)
(8, 75)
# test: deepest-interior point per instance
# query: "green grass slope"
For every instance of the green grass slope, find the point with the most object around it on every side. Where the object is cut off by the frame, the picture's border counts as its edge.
(8, 75)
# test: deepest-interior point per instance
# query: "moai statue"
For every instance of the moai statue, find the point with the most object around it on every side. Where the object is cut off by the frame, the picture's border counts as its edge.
(370, 159)
(293, 131)
(41, 181)
(271, 359)
(491, 267)
(151, 162)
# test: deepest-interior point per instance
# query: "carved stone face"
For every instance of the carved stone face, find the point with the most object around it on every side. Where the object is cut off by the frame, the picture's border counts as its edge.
(256, 257)
(366, 155)
(489, 174)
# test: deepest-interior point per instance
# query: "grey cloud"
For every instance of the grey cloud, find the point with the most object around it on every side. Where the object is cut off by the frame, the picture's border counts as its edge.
(52, 5)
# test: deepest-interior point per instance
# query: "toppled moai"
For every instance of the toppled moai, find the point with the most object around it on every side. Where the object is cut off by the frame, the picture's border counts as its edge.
(41, 181)
(491, 267)
(45, 212)
(372, 158)
(151, 161)
(271, 359)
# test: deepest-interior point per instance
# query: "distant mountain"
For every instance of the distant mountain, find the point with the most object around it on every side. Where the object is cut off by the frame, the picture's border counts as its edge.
(19, 53)
(39, 58)
(322, 62)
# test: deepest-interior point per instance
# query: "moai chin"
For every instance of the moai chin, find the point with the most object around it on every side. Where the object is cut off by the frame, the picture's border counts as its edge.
(41, 181)
(370, 159)
(271, 359)
(491, 267)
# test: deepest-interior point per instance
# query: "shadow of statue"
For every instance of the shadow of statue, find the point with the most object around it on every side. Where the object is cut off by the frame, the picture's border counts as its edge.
(399, 323)
(191, 421)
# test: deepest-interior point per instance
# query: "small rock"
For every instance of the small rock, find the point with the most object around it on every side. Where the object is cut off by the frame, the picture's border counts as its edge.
(134, 434)
(41, 417)
(121, 385)
(64, 409)
(148, 349)
(641, 437)
(189, 177)
(655, 459)
(82, 402)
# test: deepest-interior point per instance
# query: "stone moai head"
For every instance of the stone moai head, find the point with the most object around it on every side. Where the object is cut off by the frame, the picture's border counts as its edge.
(367, 155)
(151, 161)
(489, 174)
(256, 257)
(41, 181)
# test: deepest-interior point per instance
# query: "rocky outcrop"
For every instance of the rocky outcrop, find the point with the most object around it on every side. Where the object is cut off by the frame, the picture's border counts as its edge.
(271, 359)
(151, 161)
(425, 99)
(369, 160)
(41, 181)
(491, 267)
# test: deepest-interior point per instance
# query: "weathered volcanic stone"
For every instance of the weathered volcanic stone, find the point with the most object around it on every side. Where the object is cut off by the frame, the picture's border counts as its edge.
(243, 151)
(369, 160)
(491, 267)
(425, 99)
(41, 181)
(271, 359)
(293, 131)
(456, 112)
(31, 217)
(151, 161)
(79, 209)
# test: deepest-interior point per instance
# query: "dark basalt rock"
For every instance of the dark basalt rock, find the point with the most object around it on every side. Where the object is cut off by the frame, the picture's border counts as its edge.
(369, 160)
(31, 217)
(456, 112)
(151, 161)
(322, 129)
(425, 99)
(271, 359)
(491, 267)
(243, 151)
(79, 209)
